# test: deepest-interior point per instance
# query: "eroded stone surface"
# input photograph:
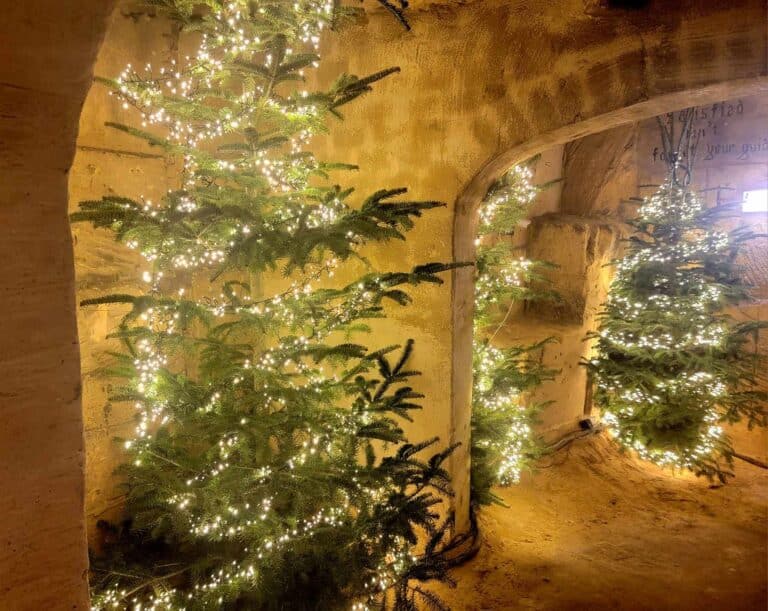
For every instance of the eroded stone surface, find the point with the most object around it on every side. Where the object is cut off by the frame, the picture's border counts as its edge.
(46, 59)
(483, 85)
(110, 162)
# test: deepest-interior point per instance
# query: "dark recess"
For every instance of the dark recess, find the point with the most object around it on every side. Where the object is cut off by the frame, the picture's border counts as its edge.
(628, 5)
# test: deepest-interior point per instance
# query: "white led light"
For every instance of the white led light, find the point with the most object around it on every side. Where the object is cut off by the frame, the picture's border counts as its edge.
(755, 201)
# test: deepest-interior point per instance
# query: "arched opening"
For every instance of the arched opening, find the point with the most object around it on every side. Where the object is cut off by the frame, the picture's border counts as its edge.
(466, 217)
(45, 74)
(599, 171)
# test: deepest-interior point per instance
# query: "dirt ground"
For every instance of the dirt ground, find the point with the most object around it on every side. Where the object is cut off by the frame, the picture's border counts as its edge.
(593, 529)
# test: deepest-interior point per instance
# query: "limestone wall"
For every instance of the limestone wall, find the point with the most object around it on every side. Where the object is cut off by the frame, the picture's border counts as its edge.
(483, 85)
(110, 162)
(46, 61)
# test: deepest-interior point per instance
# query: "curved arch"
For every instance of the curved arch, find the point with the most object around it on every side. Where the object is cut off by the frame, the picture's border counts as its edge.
(466, 217)
(470, 197)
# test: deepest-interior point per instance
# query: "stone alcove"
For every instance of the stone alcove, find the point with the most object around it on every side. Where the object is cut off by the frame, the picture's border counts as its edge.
(483, 86)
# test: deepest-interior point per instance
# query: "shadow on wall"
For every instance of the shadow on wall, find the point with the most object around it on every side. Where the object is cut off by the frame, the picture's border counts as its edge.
(108, 161)
(46, 63)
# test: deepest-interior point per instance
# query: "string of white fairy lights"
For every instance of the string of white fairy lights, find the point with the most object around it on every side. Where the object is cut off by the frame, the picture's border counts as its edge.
(669, 205)
(516, 194)
(149, 93)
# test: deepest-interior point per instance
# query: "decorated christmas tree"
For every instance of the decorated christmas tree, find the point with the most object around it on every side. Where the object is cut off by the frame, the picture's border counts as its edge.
(503, 377)
(672, 366)
(269, 468)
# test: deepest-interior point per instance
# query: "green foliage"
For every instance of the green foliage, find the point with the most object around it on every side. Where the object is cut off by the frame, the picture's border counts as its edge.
(502, 417)
(269, 468)
(261, 479)
(502, 414)
(672, 365)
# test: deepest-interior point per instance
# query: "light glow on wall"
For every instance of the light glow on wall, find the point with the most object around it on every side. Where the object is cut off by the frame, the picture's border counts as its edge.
(755, 201)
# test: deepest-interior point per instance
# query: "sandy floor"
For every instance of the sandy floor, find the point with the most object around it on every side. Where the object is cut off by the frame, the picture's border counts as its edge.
(593, 529)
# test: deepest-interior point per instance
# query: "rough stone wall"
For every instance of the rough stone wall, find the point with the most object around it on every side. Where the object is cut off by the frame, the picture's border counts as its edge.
(110, 162)
(580, 247)
(580, 237)
(488, 84)
(601, 171)
(46, 60)
(484, 85)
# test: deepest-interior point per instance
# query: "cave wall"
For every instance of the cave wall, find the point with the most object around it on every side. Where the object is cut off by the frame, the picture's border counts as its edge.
(110, 162)
(46, 62)
(483, 85)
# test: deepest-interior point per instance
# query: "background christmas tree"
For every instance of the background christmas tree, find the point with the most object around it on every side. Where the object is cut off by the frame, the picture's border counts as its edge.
(671, 364)
(503, 377)
(269, 469)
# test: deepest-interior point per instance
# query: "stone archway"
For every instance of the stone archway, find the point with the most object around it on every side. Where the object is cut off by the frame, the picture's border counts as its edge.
(46, 64)
(466, 217)
(628, 70)
(487, 84)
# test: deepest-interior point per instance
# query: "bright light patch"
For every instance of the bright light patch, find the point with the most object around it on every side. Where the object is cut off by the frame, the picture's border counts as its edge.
(755, 201)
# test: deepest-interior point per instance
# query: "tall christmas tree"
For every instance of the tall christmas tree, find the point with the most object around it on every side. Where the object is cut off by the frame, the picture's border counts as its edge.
(268, 469)
(503, 377)
(671, 365)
